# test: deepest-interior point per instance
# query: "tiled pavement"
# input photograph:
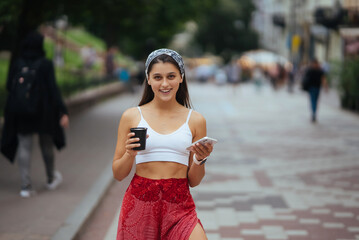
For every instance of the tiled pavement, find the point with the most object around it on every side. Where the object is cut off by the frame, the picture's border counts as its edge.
(273, 174)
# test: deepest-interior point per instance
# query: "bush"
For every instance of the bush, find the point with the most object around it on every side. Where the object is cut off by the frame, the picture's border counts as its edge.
(349, 84)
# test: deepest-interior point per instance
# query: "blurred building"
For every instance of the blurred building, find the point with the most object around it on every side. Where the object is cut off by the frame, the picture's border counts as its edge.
(301, 29)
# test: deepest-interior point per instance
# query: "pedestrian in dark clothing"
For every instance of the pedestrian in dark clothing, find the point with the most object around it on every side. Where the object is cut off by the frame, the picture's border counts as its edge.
(47, 119)
(314, 79)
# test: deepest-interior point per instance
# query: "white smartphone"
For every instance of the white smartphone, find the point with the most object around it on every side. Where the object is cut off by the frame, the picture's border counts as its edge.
(202, 141)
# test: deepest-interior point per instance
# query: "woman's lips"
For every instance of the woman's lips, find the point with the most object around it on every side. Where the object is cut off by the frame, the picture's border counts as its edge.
(165, 91)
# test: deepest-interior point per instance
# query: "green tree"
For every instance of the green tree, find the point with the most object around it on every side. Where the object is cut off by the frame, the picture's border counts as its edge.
(226, 30)
(136, 26)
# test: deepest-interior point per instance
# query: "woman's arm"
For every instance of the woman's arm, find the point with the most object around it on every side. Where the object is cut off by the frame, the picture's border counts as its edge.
(124, 155)
(197, 172)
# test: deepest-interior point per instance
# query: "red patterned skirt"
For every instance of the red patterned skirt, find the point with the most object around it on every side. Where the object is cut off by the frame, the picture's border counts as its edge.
(157, 209)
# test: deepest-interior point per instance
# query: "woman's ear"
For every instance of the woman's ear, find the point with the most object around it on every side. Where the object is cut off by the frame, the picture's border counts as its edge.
(182, 76)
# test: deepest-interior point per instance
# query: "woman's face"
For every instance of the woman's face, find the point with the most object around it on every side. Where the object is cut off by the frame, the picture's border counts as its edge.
(164, 79)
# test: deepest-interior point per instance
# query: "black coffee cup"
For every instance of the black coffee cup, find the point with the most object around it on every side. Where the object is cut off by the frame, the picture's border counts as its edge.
(141, 133)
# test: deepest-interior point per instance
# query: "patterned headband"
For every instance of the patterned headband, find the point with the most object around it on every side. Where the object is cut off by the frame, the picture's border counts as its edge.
(169, 52)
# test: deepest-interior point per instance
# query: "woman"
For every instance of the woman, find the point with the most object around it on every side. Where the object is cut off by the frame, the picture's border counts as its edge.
(158, 204)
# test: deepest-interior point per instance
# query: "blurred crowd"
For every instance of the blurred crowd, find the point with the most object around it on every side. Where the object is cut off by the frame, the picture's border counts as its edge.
(277, 74)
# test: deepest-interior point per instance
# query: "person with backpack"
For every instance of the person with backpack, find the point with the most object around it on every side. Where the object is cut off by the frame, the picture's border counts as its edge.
(34, 106)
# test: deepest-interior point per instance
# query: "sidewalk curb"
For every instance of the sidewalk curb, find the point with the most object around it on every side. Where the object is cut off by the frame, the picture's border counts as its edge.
(73, 224)
(89, 97)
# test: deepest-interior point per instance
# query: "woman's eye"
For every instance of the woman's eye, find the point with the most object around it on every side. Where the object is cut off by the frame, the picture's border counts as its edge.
(157, 77)
(171, 76)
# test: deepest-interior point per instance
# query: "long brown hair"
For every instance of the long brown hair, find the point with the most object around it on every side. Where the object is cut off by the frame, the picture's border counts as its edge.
(182, 95)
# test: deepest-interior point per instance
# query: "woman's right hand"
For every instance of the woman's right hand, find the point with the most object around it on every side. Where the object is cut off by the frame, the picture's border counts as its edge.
(130, 144)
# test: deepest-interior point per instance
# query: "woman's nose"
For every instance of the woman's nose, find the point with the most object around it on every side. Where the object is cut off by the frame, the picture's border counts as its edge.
(165, 82)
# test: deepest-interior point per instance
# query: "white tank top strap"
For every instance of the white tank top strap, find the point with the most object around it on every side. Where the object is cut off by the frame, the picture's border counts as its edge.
(139, 109)
(189, 115)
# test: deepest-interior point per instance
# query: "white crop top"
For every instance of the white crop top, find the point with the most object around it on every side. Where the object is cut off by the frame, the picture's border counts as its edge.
(166, 147)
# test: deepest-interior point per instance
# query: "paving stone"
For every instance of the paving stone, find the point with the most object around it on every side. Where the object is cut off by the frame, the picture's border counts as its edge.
(309, 221)
(296, 233)
(353, 229)
(209, 219)
(214, 236)
(252, 232)
(333, 225)
(226, 216)
(343, 215)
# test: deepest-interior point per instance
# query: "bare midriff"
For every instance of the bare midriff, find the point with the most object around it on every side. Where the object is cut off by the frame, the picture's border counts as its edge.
(161, 170)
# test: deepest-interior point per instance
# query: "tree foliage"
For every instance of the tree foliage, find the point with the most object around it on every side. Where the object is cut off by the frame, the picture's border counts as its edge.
(136, 26)
(227, 31)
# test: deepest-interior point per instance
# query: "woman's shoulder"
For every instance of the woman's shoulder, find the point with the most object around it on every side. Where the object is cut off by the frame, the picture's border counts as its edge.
(45, 62)
(130, 113)
(197, 124)
(130, 117)
(197, 118)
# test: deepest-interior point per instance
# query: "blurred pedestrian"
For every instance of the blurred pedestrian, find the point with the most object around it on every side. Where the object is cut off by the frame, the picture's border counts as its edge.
(89, 56)
(257, 77)
(34, 105)
(204, 72)
(233, 71)
(220, 76)
(314, 78)
(290, 78)
(140, 73)
(59, 53)
(123, 74)
(158, 203)
(110, 64)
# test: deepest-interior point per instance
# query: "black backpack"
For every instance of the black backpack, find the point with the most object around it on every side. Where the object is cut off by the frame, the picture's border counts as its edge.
(25, 93)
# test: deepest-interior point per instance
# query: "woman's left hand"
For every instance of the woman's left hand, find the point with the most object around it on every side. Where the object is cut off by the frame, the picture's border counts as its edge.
(64, 121)
(202, 151)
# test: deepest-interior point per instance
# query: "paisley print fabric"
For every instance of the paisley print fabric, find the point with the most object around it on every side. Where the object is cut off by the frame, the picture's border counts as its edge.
(157, 209)
(168, 52)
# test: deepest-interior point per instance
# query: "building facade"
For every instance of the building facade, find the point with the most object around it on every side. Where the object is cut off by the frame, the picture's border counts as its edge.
(303, 29)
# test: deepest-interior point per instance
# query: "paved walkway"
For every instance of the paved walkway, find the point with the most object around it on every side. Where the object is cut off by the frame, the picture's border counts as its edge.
(91, 141)
(273, 174)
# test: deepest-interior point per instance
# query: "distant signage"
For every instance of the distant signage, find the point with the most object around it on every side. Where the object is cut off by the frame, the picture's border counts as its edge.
(296, 41)
(350, 40)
